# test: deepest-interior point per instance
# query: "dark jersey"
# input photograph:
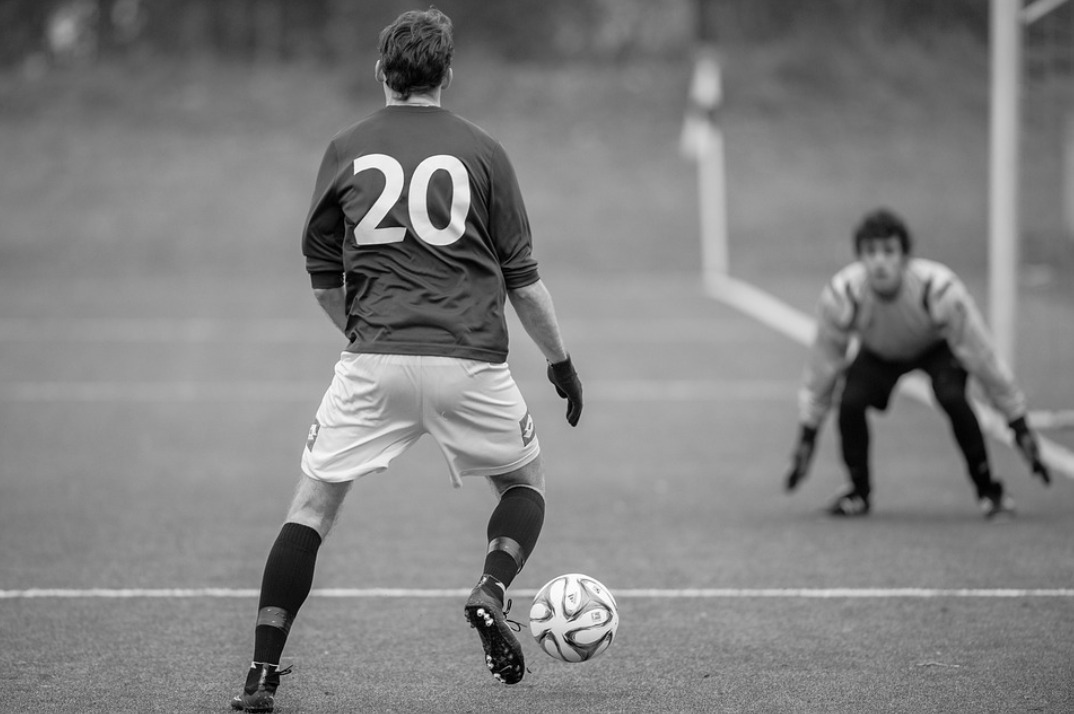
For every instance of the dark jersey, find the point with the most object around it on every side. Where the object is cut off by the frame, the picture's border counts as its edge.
(418, 212)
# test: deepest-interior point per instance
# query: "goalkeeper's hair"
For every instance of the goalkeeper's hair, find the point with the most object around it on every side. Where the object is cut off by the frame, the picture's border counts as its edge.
(882, 223)
(416, 51)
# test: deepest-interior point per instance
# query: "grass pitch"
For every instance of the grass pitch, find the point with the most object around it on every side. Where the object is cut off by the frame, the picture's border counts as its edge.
(161, 357)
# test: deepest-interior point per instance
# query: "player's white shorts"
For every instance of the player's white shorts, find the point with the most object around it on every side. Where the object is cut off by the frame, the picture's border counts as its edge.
(379, 405)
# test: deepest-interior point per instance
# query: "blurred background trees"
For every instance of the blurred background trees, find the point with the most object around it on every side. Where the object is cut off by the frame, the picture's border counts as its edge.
(63, 31)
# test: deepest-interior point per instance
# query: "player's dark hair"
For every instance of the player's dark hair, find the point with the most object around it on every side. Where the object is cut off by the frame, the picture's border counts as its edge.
(882, 223)
(416, 51)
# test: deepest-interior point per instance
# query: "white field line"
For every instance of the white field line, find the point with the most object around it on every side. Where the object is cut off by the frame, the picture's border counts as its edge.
(626, 390)
(625, 593)
(800, 327)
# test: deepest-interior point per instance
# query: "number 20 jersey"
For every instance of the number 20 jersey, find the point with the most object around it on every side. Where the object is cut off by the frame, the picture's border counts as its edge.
(418, 212)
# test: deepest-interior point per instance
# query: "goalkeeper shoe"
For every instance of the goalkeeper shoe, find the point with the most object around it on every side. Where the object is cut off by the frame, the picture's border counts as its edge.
(259, 694)
(996, 504)
(485, 613)
(850, 503)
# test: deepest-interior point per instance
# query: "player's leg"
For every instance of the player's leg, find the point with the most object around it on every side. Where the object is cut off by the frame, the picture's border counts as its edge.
(286, 583)
(516, 522)
(513, 530)
(868, 383)
(464, 398)
(949, 379)
(369, 415)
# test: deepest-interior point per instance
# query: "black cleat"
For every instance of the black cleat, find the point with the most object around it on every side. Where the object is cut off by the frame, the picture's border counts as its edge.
(259, 693)
(996, 505)
(503, 653)
(850, 504)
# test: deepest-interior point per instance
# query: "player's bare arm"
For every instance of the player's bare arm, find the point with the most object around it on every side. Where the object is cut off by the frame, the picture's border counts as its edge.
(533, 305)
(333, 302)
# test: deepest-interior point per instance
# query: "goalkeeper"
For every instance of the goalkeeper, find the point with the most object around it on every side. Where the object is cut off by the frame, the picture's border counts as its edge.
(903, 313)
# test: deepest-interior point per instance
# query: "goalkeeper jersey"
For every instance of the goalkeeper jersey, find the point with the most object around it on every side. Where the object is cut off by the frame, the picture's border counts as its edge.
(932, 306)
(418, 212)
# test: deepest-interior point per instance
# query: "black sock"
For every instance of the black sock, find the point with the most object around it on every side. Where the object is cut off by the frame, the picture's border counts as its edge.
(981, 475)
(513, 529)
(285, 586)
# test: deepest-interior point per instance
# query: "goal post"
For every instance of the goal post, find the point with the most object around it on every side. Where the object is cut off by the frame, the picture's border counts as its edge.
(1009, 18)
(1004, 168)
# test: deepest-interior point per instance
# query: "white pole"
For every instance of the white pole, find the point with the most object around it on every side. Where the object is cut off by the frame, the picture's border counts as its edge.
(1004, 169)
(1067, 184)
(705, 95)
(712, 188)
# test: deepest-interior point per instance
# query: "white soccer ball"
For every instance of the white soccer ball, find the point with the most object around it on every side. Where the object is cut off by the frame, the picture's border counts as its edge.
(574, 618)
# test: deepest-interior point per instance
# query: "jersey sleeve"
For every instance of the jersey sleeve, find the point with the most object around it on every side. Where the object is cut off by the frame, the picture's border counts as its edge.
(827, 355)
(961, 324)
(322, 238)
(510, 224)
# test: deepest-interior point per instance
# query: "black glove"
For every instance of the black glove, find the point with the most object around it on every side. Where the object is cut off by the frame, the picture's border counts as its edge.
(801, 457)
(1026, 442)
(568, 386)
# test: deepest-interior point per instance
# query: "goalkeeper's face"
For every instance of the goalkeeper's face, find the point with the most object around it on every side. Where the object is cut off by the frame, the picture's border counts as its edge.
(884, 262)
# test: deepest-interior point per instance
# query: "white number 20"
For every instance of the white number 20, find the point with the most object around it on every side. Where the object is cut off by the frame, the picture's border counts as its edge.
(367, 232)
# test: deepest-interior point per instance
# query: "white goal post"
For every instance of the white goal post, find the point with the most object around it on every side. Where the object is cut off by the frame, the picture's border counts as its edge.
(1009, 18)
(1003, 170)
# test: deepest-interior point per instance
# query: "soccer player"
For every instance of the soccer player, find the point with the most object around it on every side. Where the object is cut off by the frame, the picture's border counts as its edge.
(416, 236)
(903, 313)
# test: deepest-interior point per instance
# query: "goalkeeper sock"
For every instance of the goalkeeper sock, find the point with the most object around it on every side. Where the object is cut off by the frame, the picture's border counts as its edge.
(981, 475)
(513, 530)
(285, 586)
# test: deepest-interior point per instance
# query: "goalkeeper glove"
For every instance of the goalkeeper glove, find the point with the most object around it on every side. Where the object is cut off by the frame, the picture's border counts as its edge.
(801, 457)
(1026, 442)
(565, 380)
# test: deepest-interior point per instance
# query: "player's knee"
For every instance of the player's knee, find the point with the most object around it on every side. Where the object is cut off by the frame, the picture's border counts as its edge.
(852, 406)
(856, 397)
(950, 397)
(529, 476)
(316, 504)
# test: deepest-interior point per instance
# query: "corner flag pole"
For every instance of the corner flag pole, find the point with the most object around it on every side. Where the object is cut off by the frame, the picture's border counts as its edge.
(702, 140)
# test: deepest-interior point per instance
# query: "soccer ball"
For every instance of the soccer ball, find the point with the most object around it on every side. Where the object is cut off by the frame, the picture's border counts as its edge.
(574, 618)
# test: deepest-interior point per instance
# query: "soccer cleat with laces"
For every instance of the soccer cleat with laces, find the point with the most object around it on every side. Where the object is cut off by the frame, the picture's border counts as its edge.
(485, 613)
(259, 694)
(850, 503)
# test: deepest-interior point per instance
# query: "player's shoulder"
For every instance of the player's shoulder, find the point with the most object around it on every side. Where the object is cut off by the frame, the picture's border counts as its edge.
(483, 140)
(471, 125)
(930, 270)
(941, 291)
(842, 296)
(848, 283)
(937, 279)
(358, 124)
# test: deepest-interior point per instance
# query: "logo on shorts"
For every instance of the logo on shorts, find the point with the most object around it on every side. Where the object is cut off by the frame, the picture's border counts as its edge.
(315, 429)
(527, 428)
